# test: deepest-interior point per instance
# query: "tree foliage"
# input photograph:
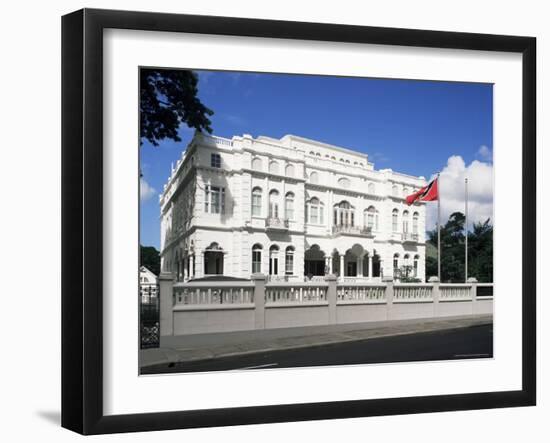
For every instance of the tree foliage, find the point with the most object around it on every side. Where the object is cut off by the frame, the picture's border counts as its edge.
(150, 258)
(480, 251)
(168, 98)
(406, 274)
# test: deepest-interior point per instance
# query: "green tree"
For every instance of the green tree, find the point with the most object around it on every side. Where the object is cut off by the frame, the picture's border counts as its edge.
(406, 274)
(168, 98)
(150, 258)
(480, 251)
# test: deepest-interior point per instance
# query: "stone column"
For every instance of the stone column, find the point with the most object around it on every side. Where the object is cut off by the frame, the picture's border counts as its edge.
(370, 266)
(388, 280)
(332, 299)
(473, 292)
(330, 266)
(435, 294)
(185, 264)
(259, 300)
(192, 270)
(360, 266)
(166, 299)
(342, 270)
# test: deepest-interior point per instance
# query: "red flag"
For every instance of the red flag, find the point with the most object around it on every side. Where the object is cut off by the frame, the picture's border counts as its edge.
(426, 194)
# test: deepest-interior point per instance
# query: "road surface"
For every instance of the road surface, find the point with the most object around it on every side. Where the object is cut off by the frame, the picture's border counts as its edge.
(463, 343)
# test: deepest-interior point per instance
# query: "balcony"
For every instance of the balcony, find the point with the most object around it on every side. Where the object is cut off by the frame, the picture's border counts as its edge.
(276, 224)
(361, 231)
(409, 237)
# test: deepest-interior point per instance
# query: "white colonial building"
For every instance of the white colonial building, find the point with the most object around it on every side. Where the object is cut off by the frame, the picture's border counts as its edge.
(291, 208)
(148, 285)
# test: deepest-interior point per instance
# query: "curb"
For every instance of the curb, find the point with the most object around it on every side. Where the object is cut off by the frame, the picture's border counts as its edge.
(375, 335)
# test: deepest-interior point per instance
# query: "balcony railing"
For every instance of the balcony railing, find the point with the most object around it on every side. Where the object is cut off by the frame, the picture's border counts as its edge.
(352, 230)
(410, 237)
(276, 223)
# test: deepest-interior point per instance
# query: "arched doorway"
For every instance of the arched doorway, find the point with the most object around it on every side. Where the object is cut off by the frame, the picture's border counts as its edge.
(274, 260)
(314, 261)
(213, 260)
(376, 265)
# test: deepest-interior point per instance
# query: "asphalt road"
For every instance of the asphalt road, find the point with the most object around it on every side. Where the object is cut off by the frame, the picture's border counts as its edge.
(464, 343)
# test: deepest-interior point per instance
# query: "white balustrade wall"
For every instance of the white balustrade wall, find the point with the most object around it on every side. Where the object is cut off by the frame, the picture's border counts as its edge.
(204, 307)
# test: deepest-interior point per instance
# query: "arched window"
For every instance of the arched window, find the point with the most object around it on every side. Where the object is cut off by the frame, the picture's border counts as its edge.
(289, 170)
(274, 204)
(395, 190)
(273, 167)
(311, 153)
(371, 218)
(344, 214)
(289, 260)
(394, 216)
(289, 206)
(257, 163)
(314, 177)
(274, 260)
(405, 191)
(257, 202)
(415, 265)
(257, 258)
(315, 211)
(407, 265)
(344, 182)
(415, 223)
(406, 221)
(371, 188)
(395, 261)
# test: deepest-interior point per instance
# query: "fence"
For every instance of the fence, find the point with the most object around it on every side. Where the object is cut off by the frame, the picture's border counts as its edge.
(203, 307)
(149, 323)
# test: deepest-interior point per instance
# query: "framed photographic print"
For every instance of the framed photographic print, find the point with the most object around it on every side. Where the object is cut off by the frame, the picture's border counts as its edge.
(269, 221)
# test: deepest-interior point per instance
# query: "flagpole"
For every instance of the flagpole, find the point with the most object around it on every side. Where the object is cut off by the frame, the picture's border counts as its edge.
(466, 229)
(438, 228)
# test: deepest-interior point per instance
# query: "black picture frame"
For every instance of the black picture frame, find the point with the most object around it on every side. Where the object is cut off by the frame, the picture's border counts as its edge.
(82, 230)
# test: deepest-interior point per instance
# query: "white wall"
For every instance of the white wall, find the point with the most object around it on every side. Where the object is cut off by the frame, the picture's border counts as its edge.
(30, 189)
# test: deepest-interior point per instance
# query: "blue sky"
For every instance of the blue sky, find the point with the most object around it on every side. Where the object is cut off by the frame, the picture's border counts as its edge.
(414, 127)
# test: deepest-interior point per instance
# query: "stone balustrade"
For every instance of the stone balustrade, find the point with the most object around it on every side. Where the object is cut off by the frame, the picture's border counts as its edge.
(206, 306)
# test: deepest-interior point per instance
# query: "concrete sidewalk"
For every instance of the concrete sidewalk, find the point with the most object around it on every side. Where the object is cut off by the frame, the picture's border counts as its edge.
(225, 344)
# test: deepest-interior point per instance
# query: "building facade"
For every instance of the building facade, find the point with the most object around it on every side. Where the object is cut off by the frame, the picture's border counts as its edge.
(290, 208)
(148, 286)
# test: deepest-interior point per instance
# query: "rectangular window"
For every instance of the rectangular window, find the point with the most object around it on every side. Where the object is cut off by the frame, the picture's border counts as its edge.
(215, 160)
(256, 262)
(214, 201)
(314, 214)
(256, 205)
(289, 210)
(289, 264)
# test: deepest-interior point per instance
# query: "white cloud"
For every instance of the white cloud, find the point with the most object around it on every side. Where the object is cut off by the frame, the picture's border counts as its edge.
(485, 153)
(145, 190)
(452, 191)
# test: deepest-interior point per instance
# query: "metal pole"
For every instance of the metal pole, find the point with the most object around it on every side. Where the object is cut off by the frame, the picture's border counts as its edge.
(466, 229)
(438, 228)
